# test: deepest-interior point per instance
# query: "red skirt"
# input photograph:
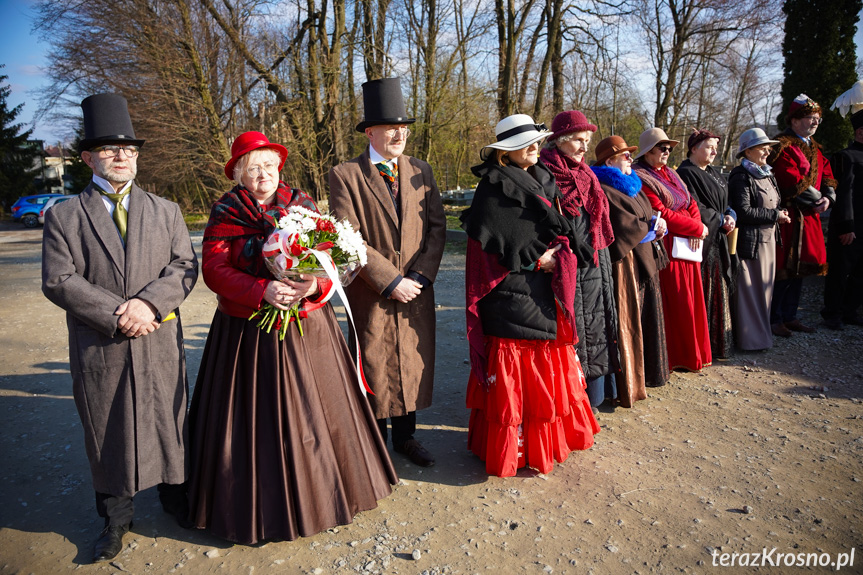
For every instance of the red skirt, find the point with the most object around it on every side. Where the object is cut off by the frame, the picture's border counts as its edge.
(536, 409)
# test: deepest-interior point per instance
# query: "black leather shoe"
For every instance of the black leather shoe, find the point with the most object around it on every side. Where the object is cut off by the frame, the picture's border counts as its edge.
(834, 323)
(853, 320)
(180, 510)
(416, 453)
(109, 543)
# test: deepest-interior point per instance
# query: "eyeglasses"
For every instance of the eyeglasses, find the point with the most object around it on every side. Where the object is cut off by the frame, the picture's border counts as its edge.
(114, 151)
(664, 149)
(813, 119)
(627, 155)
(404, 131)
(269, 167)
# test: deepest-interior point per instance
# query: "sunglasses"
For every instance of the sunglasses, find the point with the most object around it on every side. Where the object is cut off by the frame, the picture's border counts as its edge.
(664, 149)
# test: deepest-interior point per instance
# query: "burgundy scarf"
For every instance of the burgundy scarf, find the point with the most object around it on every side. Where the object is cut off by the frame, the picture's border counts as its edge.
(239, 215)
(580, 187)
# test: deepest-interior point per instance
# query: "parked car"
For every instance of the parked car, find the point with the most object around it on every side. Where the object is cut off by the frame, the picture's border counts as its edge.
(50, 204)
(26, 209)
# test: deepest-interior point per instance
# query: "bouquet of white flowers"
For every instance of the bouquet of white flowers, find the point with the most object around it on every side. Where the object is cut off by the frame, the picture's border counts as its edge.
(309, 243)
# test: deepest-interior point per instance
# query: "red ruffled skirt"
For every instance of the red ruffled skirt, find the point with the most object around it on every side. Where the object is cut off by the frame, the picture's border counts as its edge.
(536, 409)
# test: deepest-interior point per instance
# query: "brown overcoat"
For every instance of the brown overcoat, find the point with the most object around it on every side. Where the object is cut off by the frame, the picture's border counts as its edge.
(130, 393)
(397, 340)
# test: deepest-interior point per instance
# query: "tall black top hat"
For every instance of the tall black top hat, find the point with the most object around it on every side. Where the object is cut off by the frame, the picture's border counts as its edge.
(383, 104)
(106, 121)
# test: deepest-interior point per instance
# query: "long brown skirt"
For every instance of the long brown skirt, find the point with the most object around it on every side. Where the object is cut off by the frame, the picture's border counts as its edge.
(656, 370)
(282, 442)
(630, 380)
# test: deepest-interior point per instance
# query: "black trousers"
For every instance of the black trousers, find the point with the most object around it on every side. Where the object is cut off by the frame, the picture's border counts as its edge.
(843, 287)
(404, 427)
(119, 509)
(786, 299)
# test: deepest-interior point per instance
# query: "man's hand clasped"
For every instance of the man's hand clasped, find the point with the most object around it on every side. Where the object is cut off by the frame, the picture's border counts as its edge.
(137, 318)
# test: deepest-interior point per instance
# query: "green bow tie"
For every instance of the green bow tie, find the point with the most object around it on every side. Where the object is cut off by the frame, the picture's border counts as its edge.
(121, 216)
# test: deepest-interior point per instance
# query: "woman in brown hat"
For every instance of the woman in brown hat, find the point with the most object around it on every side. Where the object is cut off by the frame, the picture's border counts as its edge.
(688, 340)
(585, 204)
(526, 390)
(265, 461)
(637, 255)
(719, 265)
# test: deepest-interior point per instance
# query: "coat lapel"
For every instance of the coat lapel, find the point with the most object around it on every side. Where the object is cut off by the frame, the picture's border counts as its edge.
(136, 242)
(379, 189)
(408, 195)
(104, 226)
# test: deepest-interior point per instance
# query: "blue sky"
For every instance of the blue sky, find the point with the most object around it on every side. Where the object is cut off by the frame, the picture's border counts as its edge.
(23, 55)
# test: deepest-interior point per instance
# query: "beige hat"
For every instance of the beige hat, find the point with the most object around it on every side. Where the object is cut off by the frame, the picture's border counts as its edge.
(650, 138)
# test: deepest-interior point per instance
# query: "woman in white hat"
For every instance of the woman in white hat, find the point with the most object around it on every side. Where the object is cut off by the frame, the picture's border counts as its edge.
(754, 195)
(688, 337)
(526, 390)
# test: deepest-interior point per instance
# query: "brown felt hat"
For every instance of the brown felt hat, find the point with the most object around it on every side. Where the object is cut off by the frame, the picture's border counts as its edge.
(610, 147)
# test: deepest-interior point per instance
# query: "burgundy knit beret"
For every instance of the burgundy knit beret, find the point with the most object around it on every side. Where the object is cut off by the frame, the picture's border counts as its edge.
(569, 122)
(697, 137)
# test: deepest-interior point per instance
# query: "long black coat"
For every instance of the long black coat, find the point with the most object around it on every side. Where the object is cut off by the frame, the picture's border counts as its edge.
(595, 312)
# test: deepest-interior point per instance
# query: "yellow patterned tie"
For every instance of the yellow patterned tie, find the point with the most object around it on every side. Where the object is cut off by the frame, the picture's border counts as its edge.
(120, 214)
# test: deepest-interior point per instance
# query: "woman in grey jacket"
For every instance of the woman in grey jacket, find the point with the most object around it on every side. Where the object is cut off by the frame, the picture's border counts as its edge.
(755, 197)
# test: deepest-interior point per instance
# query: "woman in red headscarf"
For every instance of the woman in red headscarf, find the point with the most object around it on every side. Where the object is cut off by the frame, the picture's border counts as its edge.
(283, 442)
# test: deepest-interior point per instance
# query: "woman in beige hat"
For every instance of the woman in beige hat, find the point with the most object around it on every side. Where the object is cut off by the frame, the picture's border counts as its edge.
(688, 338)
(755, 197)
(526, 390)
(634, 252)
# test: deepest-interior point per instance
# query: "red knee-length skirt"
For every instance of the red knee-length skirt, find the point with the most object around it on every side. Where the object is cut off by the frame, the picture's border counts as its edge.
(536, 410)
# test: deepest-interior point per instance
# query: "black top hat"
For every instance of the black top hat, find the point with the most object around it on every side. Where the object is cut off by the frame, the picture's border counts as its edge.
(106, 121)
(383, 104)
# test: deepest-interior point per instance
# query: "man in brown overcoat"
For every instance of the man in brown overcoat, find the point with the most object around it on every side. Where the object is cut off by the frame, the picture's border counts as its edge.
(120, 262)
(393, 200)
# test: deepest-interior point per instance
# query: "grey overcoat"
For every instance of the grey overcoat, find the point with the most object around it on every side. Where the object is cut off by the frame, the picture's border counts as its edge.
(397, 340)
(130, 393)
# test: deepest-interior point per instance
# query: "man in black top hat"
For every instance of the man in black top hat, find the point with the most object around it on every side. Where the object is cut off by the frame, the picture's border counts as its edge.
(393, 200)
(120, 262)
(843, 287)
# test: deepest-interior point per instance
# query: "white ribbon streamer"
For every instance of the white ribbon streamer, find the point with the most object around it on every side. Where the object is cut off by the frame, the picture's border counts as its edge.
(326, 262)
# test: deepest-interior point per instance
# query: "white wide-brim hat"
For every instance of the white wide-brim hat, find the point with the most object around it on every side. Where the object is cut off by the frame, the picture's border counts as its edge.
(649, 139)
(514, 133)
(751, 138)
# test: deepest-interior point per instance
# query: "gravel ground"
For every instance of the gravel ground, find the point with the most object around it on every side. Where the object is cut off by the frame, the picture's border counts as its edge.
(761, 451)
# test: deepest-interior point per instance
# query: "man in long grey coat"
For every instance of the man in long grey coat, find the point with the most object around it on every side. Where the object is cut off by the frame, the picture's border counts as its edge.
(120, 262)
(393, 200)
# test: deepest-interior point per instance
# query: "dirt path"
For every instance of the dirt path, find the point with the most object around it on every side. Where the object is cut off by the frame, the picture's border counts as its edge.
(761, 451)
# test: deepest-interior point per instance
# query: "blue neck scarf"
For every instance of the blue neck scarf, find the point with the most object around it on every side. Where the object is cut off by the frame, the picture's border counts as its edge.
(629, 185)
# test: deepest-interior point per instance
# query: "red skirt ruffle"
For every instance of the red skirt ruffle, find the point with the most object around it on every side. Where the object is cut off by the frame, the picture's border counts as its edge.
(536, 410)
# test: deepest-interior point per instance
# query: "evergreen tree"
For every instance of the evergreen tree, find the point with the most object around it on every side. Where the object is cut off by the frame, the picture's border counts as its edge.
(820, 61)
(78, 174)
(16, 154)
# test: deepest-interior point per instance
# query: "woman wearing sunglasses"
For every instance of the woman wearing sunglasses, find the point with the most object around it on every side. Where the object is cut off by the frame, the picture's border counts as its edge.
(688, 338)
(637, 255)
